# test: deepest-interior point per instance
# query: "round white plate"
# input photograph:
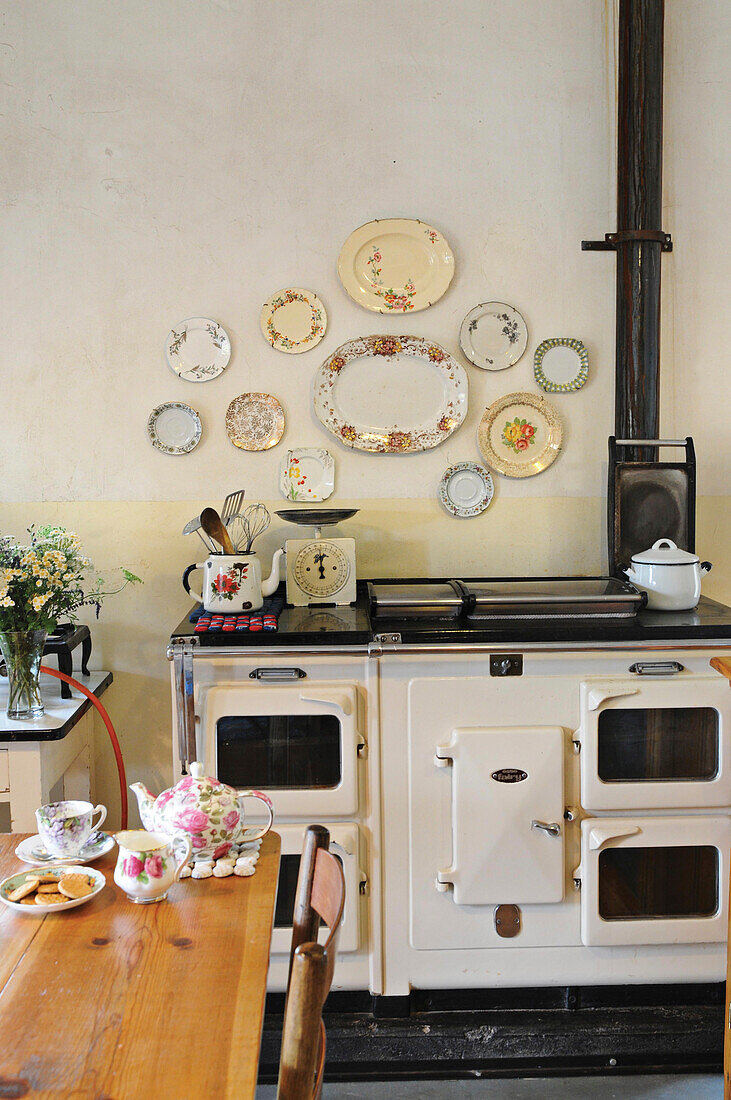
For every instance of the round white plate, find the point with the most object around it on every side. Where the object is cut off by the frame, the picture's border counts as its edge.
(466, 489)
(308, 474)
(13, 881)
(293, 320)
(493, 336)
(520, 434)
(561, 365)
(31, 850)
(174, 428)
(198, 349)
(397, 265)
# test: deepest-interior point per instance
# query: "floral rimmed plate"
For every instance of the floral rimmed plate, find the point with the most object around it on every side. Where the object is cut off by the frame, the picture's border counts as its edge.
(520, 435)
(31, 850)
(561, 365)
(293, 320)
(493, 336)
(255, 421)
(198, 349)
(13, 881)
(391, 394)
(396, 265)
(174, 428)
(308, 474)
(466, 489)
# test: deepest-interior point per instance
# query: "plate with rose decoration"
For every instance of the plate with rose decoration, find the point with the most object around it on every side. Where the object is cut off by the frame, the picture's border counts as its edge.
(391, 394)
(520, 435)
(396, 265)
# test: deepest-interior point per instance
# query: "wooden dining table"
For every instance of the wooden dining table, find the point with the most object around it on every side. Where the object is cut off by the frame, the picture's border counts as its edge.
(117, 1001)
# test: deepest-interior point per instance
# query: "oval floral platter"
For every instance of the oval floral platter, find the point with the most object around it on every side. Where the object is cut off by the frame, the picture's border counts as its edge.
(396, 265)
(391, 394)
(466, 489)
(198, 350)
(520, 435)
(293, 320)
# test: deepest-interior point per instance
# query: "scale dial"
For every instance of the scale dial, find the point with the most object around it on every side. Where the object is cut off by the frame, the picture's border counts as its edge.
(321, 569)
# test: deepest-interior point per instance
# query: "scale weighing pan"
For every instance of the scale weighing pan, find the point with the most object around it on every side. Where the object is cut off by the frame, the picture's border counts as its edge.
(316, 517)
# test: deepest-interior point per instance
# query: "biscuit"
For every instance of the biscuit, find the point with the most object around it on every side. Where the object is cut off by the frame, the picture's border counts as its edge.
(75, 886)
(50, 899)
(47, 877)
(24, 889)
(29, 900)
(48, 887)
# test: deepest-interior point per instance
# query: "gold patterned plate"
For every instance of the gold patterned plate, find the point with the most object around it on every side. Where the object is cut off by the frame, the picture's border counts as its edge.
(520, 435)
(255, 421)
(397, 265)
(293, 320)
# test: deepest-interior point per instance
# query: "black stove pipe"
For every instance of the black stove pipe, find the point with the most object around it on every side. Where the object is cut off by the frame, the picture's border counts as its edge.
(639, 240)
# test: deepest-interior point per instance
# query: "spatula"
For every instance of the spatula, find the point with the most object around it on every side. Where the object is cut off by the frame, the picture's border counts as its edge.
(213, 526)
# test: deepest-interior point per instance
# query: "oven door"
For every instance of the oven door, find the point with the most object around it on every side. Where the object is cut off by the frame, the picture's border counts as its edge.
(344, 843)
(654, 880)
(655, 743)
(298, 744)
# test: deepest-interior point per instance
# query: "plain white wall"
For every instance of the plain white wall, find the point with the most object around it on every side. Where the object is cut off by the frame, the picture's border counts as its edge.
(173, 158)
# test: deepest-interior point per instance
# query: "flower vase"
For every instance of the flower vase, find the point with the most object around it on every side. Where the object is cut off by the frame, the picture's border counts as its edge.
(22, 651)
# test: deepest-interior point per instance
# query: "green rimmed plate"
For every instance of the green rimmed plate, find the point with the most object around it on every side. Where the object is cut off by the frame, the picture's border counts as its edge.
(561, 365)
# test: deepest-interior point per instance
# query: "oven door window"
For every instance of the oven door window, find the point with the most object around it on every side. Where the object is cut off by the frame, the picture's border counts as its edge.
(280, 751)
(658, 883)
(658, 745)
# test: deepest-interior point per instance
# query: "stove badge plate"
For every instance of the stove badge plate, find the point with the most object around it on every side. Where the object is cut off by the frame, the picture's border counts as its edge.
(509, 775)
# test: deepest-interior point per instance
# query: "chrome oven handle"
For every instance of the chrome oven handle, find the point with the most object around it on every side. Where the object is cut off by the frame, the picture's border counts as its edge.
(551, 827)
(277, 675)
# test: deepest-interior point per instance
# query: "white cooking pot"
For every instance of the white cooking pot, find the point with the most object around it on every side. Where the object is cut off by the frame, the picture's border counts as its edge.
(670, 577)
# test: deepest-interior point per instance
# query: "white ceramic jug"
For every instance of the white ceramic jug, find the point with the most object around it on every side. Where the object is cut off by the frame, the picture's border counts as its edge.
(232, 583)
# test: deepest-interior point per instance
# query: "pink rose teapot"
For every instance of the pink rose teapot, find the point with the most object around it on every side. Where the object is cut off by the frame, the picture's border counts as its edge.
(210, 812)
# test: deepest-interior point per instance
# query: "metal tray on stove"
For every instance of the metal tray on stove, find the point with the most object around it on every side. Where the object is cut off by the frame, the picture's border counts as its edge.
(554, 598)
(414, 599)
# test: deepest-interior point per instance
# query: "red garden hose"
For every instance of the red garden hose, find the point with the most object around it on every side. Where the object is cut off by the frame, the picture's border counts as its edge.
(110, 730)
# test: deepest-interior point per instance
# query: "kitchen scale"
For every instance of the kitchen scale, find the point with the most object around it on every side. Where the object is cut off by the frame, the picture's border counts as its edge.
(319, 570)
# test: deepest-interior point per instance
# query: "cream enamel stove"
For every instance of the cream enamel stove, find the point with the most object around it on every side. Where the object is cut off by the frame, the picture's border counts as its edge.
(529, 781)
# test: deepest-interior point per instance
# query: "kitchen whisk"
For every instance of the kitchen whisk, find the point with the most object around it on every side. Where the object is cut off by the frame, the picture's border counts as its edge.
(247, 527)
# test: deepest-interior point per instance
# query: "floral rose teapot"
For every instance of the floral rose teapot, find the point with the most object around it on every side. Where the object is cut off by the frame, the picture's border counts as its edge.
(210, 812)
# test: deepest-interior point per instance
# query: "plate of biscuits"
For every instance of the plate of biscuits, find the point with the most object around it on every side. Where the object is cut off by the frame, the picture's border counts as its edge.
(51, 890)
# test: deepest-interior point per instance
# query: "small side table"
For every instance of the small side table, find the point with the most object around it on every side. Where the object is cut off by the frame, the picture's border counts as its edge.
(65, 638)
(50, 758)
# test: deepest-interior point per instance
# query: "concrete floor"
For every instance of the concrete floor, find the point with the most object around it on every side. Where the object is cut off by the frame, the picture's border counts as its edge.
(656, 1087)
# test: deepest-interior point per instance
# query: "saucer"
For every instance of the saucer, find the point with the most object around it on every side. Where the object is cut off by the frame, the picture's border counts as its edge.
(31, 850)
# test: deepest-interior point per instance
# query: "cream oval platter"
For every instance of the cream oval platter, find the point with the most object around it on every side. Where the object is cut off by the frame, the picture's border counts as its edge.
(396, 265)
(391, 394)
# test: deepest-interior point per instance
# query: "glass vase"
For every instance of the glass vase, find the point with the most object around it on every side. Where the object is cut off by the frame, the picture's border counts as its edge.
(22, 651)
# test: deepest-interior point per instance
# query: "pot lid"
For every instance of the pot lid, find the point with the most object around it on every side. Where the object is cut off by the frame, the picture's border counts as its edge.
(664, 552)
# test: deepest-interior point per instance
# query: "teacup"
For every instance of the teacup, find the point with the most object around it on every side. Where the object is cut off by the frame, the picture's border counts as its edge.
(148, 863)
(65, 827)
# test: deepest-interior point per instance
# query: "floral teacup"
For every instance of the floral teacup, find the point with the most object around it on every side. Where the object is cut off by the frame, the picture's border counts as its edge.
(65, 827)
(149, 863)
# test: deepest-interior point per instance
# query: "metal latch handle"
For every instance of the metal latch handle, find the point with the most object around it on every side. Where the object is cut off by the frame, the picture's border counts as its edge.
(551, 827)
(277, 675)
(656, 668)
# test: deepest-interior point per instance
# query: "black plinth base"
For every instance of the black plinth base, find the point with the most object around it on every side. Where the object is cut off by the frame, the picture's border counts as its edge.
(65, 638)
(515, 1033)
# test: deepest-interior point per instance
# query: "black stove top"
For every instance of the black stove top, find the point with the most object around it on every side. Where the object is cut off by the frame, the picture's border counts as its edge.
(355, 625)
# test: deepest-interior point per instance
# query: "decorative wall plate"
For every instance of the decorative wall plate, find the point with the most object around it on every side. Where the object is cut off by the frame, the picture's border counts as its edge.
(396, 265)
(493, 336)
(308, 474)
(466, 489)
(520, 435)
(391, 394)
(293, 320)
(561, 365)
(198, 349)
(255, 421)
(174, 428)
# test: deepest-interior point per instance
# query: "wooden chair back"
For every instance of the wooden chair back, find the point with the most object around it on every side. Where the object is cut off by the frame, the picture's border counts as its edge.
(320, 897)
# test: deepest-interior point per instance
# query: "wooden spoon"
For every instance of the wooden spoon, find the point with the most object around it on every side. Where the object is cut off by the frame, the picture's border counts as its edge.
(213, 526)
